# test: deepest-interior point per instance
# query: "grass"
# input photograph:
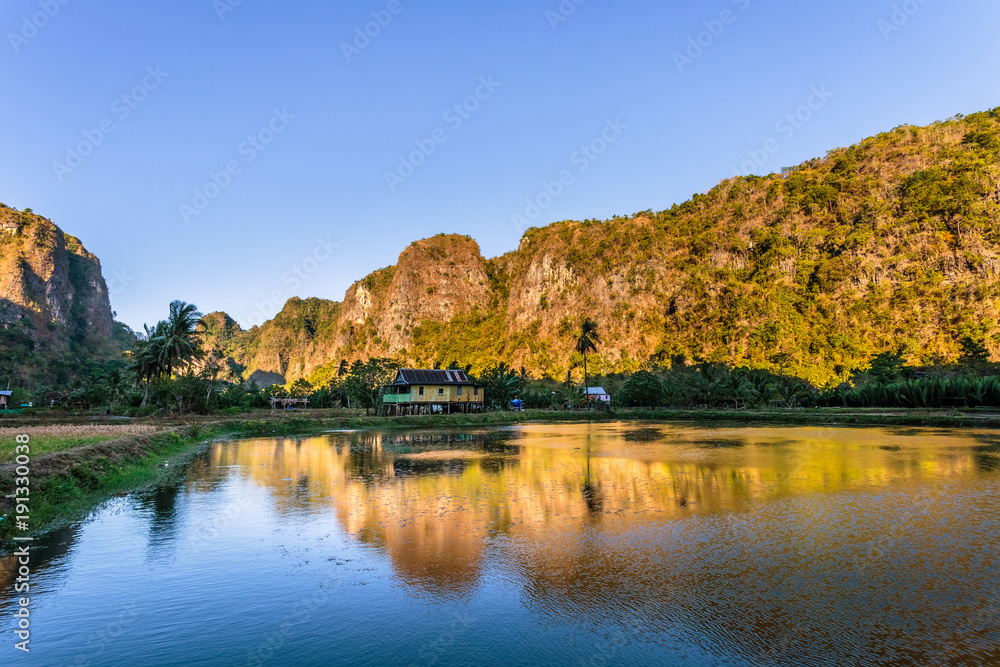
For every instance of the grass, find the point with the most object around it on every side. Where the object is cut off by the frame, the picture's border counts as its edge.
(50, 438)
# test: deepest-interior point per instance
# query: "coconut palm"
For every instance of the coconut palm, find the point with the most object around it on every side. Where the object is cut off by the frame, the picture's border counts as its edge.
(180, 345)
(343, 368)
(146, 357)
(586, 341)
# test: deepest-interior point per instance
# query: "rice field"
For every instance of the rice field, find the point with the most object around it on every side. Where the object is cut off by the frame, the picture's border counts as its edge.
(46, 439)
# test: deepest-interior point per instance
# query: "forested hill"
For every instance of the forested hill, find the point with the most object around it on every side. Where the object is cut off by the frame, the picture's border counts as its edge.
(892, 243)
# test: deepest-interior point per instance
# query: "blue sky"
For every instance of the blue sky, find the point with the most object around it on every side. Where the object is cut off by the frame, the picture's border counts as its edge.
(248, 150)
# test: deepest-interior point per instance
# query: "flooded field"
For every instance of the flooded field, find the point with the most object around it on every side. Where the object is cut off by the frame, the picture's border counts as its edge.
(602, 544)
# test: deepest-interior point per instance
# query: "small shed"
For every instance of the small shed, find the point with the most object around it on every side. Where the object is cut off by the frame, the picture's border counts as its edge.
(54, 398)
(598, 394)
(289, 403)
(5, 399)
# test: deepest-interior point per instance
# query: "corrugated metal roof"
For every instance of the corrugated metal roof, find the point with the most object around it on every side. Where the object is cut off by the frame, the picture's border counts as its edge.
(424, 376)
(596, 390)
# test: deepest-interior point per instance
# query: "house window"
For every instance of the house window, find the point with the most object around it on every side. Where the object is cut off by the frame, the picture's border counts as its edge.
(475, 391)
(440, 391)
(460, 390)
(421, 391)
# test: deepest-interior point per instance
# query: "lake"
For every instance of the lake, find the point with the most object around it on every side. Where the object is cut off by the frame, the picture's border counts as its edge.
(576, 544)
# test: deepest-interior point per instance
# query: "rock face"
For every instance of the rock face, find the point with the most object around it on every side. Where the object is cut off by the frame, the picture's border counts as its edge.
(53, 299)
(892, 243)
(435, 279)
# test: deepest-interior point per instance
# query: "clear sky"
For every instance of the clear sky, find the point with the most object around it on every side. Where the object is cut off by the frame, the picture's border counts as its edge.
(308, 114)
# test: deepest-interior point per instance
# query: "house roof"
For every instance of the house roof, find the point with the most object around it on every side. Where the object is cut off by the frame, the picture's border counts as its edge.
(6, 393)
(422, 376)
(596, 390)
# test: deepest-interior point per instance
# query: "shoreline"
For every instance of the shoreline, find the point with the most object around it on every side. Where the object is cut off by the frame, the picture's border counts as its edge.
(70, 483)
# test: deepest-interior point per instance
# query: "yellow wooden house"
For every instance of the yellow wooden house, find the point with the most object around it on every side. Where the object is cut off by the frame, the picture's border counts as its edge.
(415, 391)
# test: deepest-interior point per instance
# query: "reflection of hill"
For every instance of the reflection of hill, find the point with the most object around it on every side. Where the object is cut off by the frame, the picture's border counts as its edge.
(579, 512)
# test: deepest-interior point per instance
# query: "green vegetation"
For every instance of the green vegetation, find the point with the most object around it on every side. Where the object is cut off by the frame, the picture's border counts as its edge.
(46, 445)
(364, 382)
(586, 341)
(765, 290)
(889, 245)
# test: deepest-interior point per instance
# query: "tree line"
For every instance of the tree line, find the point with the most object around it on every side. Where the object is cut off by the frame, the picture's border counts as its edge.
(176, 367)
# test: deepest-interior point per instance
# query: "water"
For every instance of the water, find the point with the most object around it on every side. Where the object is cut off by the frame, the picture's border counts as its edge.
(604, 544)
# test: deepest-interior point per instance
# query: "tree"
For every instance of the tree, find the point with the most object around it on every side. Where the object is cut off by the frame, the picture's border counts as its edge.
(180, 345)
(586, 341)
(343, 368)
(146, 358)
(500, 385)
(641, 390)
(974, 352)
(301, 388)
(883, 369)
(366, 379)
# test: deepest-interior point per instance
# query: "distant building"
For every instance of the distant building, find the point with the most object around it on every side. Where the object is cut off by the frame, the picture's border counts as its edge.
(5, 399)
(415, 391)
(598, 394)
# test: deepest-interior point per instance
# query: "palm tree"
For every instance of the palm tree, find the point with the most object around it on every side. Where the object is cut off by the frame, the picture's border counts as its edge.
(146, 357)
(180, 345)
(586, 341)
(343, 369)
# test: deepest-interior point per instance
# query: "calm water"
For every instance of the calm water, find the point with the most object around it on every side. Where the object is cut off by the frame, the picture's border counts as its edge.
(610, 544)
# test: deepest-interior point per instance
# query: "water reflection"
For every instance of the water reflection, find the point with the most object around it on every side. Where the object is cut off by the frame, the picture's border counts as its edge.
(763, 546)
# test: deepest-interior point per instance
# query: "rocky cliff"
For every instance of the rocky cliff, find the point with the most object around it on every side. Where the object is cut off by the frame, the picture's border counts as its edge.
(54, 309)
(890, 244)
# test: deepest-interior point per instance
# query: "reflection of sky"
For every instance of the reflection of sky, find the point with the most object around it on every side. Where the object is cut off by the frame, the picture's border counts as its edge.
(759, 544)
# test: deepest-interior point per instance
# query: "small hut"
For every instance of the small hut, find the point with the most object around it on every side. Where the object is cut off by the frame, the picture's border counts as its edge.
(5, 399)
(289, 403)
(598, 395)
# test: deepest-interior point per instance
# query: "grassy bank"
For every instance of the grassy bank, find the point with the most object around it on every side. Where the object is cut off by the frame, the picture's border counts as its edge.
(73, 467)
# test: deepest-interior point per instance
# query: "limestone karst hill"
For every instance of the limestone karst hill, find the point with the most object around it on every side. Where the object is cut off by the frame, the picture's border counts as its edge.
(891, 243)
